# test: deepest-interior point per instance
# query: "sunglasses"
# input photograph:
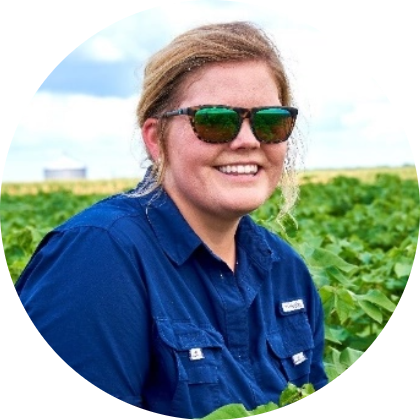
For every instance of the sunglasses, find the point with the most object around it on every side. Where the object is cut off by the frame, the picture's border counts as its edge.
(221, 124)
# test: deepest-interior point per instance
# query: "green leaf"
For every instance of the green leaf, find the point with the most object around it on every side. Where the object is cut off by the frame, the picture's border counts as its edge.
(327, 294)
(337, 274)
(307, 389)
(293, 393)
(264, 409)
(331, 371)
(379, 299)
(333, 366)
(338, 362)
(230, 411)
(332, 334)
(323, 258)
(289, 395)
(371, 310)
(349, 356)
(344, 304)
(402, 269)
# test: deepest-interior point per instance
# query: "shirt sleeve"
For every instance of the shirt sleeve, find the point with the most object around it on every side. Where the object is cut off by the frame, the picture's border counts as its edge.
(318, 377)
(85, 295)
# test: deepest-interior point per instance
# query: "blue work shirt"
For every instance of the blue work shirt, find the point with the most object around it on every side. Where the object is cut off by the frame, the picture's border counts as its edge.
(130, 297)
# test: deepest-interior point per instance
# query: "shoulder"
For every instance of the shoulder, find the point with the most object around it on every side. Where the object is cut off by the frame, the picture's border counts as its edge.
(116, 225)
(279, 248)
(106, 213)
(98, 243)
(289, 274)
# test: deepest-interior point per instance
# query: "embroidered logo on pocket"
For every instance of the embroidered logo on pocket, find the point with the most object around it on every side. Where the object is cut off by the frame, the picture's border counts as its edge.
(298, 358)
(196, 354)
(294, 305)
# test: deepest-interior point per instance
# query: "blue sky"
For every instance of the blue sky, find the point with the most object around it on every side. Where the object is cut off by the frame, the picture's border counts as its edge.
(85, 106)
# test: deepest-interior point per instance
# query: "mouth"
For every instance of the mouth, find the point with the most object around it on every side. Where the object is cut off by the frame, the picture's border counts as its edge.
(250, 169)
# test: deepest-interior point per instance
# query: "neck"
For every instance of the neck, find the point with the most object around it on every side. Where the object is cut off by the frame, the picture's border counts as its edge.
(216, 232)
(220, 238)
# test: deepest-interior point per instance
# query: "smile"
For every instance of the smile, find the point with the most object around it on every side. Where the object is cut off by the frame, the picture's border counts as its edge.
(239, 169)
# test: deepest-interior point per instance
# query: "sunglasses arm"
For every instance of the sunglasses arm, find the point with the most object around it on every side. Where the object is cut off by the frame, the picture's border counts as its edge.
(182, 111)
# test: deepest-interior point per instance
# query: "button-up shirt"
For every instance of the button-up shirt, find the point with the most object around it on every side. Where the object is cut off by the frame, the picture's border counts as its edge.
(133, 300)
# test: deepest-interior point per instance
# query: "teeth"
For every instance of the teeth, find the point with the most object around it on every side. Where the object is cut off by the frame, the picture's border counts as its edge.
(239, 169)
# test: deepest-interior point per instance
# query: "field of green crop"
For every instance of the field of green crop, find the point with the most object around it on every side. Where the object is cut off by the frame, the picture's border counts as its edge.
(357, 232)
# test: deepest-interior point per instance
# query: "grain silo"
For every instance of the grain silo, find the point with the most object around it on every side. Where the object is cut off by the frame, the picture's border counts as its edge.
(65, 167)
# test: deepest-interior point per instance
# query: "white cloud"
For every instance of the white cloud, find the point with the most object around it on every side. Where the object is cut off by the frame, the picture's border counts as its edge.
(101, 132)
(82, 119)
(342, 108)
(139, 35)
(100, 48)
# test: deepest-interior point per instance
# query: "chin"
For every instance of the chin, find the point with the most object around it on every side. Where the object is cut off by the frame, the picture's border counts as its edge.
(238, 210)
(237, 202)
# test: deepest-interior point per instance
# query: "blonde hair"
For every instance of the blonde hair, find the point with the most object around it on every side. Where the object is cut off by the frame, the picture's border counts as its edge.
(167, 69)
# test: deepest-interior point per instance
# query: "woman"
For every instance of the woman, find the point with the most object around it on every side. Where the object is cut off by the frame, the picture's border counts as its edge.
(170, 297)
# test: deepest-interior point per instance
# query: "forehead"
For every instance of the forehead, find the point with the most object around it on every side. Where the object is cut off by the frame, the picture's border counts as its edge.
(249, 83)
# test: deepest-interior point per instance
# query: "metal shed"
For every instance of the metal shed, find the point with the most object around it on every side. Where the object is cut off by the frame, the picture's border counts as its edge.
(65, 167)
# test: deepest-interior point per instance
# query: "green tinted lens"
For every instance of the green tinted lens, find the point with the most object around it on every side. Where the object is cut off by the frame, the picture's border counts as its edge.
(272, 125)
(216, 124)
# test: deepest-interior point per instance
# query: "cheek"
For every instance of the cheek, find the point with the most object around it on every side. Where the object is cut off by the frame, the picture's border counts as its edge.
(276, 155)
(185, 149)
(179, 142)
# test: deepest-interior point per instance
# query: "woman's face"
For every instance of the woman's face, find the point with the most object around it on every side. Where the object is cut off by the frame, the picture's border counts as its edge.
(196, 175)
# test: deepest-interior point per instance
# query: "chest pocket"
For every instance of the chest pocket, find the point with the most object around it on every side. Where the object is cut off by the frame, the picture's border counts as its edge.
(292, 345)
(197, 351)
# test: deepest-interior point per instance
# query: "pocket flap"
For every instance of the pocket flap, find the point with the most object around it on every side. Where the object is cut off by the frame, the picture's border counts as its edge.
(184, 336)
(293, 336)
(296, 364)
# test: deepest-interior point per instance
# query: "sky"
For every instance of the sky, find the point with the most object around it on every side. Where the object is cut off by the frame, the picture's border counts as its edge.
(85, 106)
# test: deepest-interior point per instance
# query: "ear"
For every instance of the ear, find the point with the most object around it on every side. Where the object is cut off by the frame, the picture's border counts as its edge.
(150, 136)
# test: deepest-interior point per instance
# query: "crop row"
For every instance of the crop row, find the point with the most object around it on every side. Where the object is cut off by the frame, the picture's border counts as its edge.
(358, 239)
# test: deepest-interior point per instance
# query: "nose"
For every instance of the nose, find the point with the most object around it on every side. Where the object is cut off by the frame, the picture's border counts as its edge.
(245, 138)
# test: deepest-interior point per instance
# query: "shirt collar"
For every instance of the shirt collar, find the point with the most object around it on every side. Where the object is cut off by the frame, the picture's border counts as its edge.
(174, 234)
(251, 240)
(179, 241)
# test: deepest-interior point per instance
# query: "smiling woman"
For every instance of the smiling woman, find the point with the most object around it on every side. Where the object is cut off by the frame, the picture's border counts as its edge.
(212, 184)
(182, 65)
(169, 297)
